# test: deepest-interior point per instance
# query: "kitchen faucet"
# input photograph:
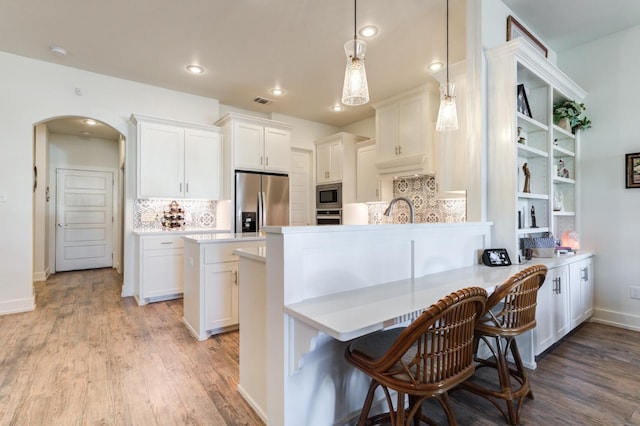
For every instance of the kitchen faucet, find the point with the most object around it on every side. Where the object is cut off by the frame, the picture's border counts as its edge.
(389, 209)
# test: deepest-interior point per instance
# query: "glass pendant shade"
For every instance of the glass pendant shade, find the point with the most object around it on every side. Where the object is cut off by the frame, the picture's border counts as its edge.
(448, 112)
(355, 90)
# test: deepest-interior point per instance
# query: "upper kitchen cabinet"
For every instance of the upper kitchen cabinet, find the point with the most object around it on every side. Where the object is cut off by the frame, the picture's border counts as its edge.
(256, 144)
(525, 174)
(336, 162)
(177, 160)
(404, 140)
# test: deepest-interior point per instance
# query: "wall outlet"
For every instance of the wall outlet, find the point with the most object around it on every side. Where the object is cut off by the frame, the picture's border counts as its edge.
(147, 217)
(635, 292)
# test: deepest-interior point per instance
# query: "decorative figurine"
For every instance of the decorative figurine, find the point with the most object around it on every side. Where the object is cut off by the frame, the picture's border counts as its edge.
(527, 175)
(533, 217)
(562, 170)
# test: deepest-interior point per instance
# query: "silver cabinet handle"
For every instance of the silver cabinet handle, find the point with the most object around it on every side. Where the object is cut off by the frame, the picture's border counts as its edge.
(180, 187)
(267, 162)
(235, 277)
(585, 274)
(166, 242)
(187, 187)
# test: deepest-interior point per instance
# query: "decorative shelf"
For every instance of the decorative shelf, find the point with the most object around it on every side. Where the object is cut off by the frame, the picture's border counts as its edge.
(562, 152)
(558, 179)
(530, 125)
(528, 151)
(533, 196)
(538, 230)
(563, 132)
(563, 213)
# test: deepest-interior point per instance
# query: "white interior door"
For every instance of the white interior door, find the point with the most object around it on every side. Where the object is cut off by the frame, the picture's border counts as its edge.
(300, 184)
(84, 219)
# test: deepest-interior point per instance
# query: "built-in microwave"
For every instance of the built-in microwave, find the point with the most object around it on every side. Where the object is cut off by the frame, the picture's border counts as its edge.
(329, 196)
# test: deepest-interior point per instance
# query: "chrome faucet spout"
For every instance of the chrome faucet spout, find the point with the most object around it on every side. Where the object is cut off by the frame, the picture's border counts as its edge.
(389, 209)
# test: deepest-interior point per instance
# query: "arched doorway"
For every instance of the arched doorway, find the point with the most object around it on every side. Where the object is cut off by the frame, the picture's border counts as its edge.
(85, 156)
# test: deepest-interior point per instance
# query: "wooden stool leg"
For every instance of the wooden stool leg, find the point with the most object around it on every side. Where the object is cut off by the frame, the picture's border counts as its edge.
(366, 407)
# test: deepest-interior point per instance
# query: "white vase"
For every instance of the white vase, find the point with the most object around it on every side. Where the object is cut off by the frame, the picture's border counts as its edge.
(565, 124)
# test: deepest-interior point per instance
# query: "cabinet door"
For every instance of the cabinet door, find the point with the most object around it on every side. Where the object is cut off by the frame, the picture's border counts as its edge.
(552, 320)
(203, 164)
(248, 146)
(277, 150)
(387, 132)
(221, 295)
(161, 161)
(329, 162)
(581, 300)
(336, 159)
(411, 127)
(367, 188)
(162, 272)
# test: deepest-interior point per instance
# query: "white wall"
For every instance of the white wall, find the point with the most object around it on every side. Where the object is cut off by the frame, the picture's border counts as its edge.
(34, 91)
(610, 224)
(366, 127)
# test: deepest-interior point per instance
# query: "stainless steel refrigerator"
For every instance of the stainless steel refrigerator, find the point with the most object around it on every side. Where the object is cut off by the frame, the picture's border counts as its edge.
(260, 199)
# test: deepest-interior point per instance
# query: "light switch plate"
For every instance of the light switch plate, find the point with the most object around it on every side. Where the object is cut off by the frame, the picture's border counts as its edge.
(147, 217)
(3, 196)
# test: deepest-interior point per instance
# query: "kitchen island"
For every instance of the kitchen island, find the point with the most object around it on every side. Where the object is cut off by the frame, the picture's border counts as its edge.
(327, 285)
(211, 281)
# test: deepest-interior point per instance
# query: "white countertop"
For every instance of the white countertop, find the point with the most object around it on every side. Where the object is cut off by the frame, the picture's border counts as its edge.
(255, 253)
(354, 313)
(181, 231)
(221, 237)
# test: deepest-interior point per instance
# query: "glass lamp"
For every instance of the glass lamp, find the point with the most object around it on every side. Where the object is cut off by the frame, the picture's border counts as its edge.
(448, 112)
(355, 90)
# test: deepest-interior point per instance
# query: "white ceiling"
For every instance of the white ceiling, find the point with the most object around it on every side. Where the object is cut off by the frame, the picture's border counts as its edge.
(251, 46)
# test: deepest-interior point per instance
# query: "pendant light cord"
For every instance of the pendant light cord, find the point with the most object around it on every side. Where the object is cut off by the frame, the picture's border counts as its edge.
(447, 26)
(355, 29)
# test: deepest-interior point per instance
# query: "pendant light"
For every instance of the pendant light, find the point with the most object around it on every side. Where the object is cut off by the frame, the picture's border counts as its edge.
(355, 91)
(448, 113)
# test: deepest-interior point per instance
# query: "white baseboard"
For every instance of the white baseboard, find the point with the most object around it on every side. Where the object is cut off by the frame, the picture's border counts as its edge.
(17, 306)
(259, 411)
(616, 319)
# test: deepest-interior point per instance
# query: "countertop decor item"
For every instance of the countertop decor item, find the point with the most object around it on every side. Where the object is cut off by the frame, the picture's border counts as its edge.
(571, 114)
(173, 217)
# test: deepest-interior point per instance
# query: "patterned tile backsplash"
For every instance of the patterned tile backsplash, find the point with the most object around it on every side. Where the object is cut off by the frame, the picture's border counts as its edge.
(199, 214)
(421, 190)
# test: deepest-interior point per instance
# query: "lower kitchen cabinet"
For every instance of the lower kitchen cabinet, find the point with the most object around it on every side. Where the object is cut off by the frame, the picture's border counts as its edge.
(211, 282)
(160, 268)
(581, 279)
(565, 300)
(221, 295)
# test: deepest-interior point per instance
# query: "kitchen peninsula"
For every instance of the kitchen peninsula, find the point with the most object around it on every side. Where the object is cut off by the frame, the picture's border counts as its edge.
(325, 286)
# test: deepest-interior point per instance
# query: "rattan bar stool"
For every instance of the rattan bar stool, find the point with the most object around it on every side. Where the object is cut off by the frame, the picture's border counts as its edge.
(510, 311)
(427, 358)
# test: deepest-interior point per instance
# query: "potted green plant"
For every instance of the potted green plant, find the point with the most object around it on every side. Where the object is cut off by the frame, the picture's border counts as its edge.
(570, 116)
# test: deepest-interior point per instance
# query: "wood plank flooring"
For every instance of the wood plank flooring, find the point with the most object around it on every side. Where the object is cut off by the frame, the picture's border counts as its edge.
(86, 356)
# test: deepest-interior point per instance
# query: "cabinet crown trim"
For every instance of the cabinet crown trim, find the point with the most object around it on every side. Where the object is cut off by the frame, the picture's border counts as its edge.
(255, 120)
(136, 119)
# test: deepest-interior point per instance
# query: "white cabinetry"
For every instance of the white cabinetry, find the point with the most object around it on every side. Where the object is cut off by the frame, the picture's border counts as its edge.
(509, 206)
(581, 280)
(336, 162)
(211, 282)
(404, 140)
(329, 157)
(552, 312)
(369, 186)
(256, 144)
(160, 268)
(221, 295)
(178, 160)
(564, 301)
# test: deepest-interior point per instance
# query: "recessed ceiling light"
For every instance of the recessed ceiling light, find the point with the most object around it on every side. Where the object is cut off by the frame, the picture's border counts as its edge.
(436, 66)
(58, 51)
(85, 133)
(277, 91)
(90, 122)
(337, 108)
(195, 69)
(368, 31)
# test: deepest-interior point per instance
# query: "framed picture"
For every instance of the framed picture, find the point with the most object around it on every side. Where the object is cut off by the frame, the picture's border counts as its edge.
(523, 103)
(516, 29)
(632, 162)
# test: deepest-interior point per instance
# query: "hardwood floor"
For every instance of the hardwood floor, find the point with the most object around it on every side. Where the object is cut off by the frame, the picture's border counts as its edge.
(86, 356)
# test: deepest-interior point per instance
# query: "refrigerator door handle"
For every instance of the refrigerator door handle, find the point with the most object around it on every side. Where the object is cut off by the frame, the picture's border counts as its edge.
(261, 211)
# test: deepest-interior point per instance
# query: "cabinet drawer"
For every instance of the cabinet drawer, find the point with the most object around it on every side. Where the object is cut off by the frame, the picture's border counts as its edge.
(162, 242)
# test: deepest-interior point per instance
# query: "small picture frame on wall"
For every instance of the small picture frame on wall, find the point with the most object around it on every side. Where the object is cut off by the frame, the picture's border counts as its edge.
(523, 103)
(516, 29)
(632, 162)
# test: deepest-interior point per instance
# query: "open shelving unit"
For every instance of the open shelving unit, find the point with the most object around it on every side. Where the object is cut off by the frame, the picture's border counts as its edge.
(550, 152)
